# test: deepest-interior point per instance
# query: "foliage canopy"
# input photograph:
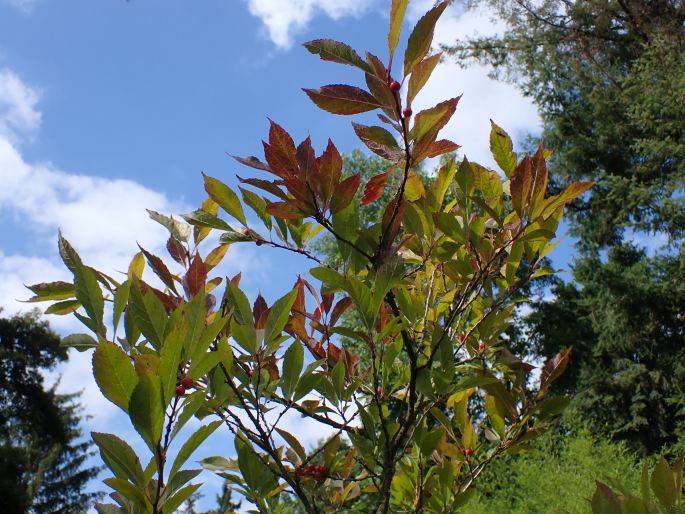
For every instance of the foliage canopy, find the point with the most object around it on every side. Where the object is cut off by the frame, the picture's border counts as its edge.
(431, 279)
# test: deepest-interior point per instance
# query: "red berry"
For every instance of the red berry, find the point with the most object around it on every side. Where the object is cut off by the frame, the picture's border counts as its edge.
(379, 391)
(462, 338)
(180, 390)
(187, 382)
(395, 86)
(259, 242)
(481, 345)
(468, 451)
(407, 112)
(250, 372)
(531, 429)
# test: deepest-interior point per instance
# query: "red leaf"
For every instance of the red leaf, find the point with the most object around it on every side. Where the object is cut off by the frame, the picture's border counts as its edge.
(306, 159)
(330, 170)
(552, 369)
(374, 187)
(195, 277)
(177, 251)
(335, 51)
(281, 140)
(296, 323)
(253, 162)
(435, 148)
(539, 174)
(170, 303)
(334, 354)
(339, 309)
(520, 184)
(396, 221)
(344, 193)
(284, 210)
(283, 165)
(342, 99)
(160, 269)
(265, 185)
(315, 348)
(327, 300)
(260, 310)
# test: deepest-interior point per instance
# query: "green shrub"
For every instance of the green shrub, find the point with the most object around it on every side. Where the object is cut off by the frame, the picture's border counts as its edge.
(559, 473)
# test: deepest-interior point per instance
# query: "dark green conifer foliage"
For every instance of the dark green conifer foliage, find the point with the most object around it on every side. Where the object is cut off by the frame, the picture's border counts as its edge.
(42, 454)
(608, 78)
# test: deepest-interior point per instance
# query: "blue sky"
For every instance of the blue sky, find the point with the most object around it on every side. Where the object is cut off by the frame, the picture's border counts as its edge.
(108, 108)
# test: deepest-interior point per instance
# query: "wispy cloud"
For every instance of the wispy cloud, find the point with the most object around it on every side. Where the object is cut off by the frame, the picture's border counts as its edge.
(103, 218)
(25, 6)
(283, 19)
(18, 114)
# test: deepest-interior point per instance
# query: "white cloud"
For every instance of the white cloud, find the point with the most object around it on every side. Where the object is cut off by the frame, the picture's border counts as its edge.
(18, 114)
(285, 18)
(103, 218)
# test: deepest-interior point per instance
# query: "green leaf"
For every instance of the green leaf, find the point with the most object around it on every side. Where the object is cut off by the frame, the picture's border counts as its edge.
(119, 457)
(396, 18)
(256, 474)
(293, 361)
(278, 316)
(663, 484)
(130, 492)
(225, 197)
(107, 508)
(200, 218)
(62, 308)
(216, 463)
(80, 342)
(52, 291)
(203, 365)
(170, 358)
(342, 99)
(120, 301)
(192, 443)
(429, 122)
(379, 141)
(502, 149)
(338, 379)
(294, 443)
(420, 75)
(333, 280)
(495, 415)
(172, 504)
(88, 292)
(114, 373)
(69, 256)
(421, 38)
(258, 205)
(335, 51)
(177, 229)
(146, 410)
(148, 312)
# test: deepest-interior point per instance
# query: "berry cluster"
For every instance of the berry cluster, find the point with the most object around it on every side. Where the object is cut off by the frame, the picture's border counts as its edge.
(316, 472)
(185, 384)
